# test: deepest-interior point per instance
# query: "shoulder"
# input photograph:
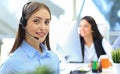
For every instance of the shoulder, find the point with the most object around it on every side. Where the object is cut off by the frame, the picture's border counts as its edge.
(106, 44)
(8, 66)
(18, 54)
(98, 40)
(104, 40)
(13, 62)
(53, 55)
(14, 58)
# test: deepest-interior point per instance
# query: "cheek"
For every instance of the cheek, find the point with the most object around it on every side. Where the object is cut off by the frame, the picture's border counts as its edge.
(47, 28)
(30, 29)
(81, 32)
(84, 31)
(89, 30)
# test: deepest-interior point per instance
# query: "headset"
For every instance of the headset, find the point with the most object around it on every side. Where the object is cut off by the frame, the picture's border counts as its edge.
(23, 21)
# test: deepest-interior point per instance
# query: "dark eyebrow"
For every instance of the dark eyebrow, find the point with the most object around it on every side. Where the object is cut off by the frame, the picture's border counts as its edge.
(41, 18)
(48, 19)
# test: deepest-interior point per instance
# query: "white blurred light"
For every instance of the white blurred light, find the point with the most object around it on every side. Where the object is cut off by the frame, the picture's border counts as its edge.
(118, 13)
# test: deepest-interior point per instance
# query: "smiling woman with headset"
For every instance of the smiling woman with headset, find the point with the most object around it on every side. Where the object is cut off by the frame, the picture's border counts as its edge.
(31, 48)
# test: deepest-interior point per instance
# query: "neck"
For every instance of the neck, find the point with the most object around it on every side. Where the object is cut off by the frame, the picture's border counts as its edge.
(33, 42)
(88, 40)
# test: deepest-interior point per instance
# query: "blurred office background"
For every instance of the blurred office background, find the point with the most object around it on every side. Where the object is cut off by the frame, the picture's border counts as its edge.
(65, 13)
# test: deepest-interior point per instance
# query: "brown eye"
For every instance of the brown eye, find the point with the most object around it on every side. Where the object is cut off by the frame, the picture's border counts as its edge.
(47, 22)
(36, 21)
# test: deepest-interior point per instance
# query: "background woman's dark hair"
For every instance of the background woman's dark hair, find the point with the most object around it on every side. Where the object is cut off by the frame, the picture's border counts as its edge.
(29, 9)
(95, 33)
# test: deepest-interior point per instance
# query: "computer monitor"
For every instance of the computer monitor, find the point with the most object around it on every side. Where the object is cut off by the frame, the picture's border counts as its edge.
(71, 46)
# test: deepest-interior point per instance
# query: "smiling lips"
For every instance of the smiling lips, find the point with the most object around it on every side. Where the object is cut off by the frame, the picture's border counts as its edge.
(82, 32)
(41, 34)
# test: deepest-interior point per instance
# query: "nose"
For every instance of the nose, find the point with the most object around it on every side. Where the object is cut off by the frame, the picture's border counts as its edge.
(42, 25)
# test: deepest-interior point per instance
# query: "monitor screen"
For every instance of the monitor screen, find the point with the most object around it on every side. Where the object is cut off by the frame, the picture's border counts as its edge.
(71, 47)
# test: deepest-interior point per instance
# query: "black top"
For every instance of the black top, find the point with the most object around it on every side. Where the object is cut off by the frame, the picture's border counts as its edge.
(98, 47)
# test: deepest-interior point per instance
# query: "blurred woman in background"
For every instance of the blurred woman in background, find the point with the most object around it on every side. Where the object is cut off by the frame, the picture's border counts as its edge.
(92, 43)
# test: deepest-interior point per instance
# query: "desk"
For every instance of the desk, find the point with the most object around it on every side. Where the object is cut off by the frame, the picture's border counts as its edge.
(65, 68)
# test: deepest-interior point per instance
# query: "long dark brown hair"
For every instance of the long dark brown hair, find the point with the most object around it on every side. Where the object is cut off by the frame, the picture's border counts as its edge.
(28, 9)
(96, 33)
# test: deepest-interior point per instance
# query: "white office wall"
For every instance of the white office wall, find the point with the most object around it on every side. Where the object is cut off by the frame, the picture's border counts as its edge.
(5, 48)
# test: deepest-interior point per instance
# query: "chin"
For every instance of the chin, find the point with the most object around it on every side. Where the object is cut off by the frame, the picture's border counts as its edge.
(41, 40)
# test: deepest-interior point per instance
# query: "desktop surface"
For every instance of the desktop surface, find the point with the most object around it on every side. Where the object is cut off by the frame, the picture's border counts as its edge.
(66, 68)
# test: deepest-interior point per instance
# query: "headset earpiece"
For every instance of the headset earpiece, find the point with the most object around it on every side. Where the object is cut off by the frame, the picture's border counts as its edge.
(23, 21)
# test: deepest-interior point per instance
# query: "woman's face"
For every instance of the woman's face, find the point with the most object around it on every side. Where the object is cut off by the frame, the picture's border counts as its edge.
(38, 24)
(85, 28)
